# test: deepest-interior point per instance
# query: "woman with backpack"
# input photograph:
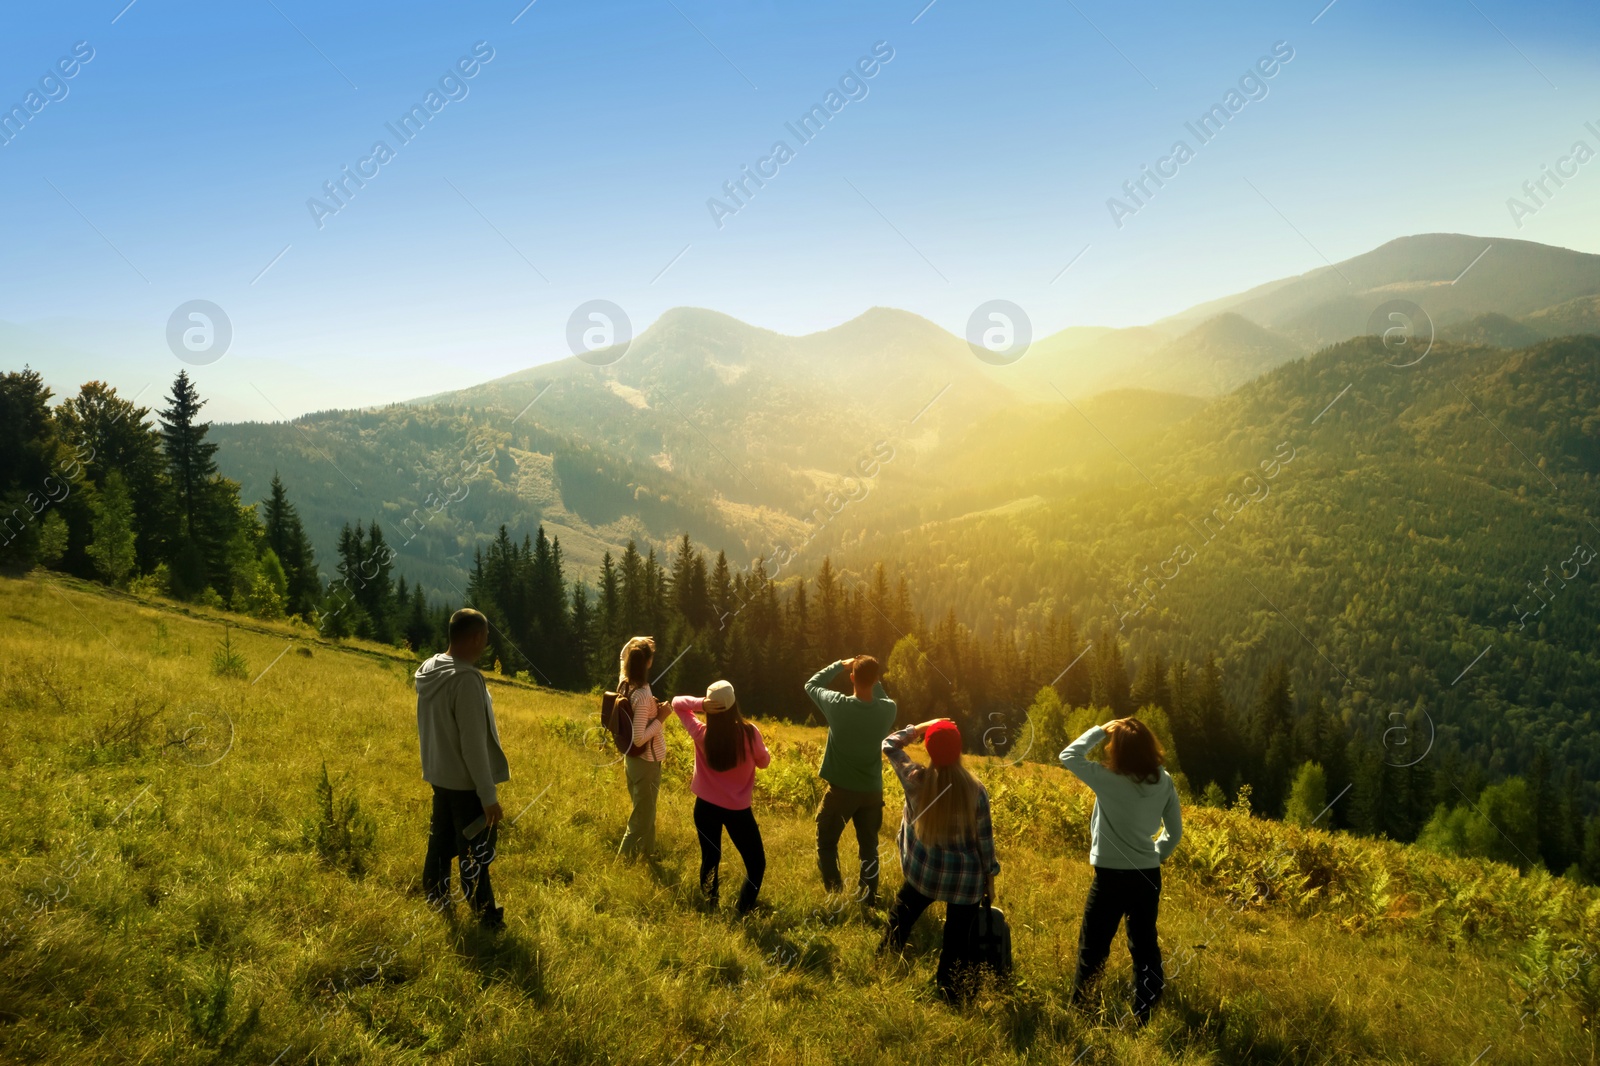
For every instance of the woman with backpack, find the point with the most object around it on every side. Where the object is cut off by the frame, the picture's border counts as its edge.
(946, 850)
(1133, 797)
(643, 762)
(727, 753)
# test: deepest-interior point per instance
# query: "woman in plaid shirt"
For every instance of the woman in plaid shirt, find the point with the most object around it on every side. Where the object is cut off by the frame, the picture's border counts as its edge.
(946, 848)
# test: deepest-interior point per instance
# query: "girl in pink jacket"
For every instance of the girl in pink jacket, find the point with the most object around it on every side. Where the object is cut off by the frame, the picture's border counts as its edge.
(727, 752)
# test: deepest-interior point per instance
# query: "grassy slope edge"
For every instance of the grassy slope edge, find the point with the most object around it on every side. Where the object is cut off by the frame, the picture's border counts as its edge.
(157, 909)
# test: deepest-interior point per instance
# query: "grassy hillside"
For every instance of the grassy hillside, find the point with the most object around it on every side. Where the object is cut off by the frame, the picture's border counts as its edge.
(162, 900)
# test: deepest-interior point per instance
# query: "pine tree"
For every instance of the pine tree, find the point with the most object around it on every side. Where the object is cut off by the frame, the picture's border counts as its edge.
(1589, 864)
(631, 577)
(655, 594)
(880, 635)
(1077, 663)
(1552, 833)
(607, 639)
(548, 638)
(1269, 754)
(208, 517)
(687, 588)
(1150, 688)
(1111, 688)
(287, 539)
(377, 594)
(827, 638)
(1569, 835)
(189, 454)
(1369, 792)
(1216, 760)
(724, 609)
(581, 646)
(419, 629)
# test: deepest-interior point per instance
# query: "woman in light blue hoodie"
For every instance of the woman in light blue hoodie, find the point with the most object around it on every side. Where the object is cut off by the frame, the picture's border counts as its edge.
(1133, 797)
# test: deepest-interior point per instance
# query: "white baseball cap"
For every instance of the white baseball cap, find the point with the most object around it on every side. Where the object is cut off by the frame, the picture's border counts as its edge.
(719, 697)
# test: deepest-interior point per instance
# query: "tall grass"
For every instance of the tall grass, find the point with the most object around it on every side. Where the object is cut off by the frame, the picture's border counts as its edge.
(164, 903)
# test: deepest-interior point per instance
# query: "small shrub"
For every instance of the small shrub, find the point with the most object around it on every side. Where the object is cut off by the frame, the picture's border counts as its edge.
(264, 600)
(157, 583)
(162, 644)
(127, 727)
(208, 1006)
(226, 661)
(338, 830)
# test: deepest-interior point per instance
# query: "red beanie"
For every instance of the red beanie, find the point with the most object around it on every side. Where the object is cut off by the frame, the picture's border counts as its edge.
(943, 743)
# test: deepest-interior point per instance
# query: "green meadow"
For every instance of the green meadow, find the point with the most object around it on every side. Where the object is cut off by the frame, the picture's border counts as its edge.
(182, 884)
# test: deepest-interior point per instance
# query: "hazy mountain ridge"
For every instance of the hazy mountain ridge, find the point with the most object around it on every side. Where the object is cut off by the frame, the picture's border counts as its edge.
(739, 434)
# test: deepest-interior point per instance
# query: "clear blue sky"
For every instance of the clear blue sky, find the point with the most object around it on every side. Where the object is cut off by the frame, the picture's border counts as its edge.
(977, 165)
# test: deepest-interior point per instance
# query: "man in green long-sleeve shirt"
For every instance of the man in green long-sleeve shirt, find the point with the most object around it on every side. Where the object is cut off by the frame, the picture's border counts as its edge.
(852, 766)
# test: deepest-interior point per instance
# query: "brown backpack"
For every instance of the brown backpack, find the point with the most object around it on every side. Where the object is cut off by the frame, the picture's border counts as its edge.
(616, 714)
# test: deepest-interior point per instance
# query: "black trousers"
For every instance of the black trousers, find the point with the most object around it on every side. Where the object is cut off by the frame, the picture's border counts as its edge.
(1115, 895)
(709, 822)
(957, 975)
(453, 810)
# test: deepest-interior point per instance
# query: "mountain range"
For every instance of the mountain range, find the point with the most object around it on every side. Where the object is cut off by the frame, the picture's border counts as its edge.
(748, 439)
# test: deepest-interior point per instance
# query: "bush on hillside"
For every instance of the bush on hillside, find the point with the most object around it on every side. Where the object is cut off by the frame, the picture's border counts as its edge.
(339, 831)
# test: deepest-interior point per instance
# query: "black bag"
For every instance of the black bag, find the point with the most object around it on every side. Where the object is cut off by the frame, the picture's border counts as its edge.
(616, 714)
(990, 943)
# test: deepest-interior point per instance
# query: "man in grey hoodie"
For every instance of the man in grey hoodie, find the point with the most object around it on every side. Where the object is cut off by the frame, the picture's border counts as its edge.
(462, 760)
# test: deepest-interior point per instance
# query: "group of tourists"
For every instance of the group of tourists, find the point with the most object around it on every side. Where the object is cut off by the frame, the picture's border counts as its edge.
(945, 840)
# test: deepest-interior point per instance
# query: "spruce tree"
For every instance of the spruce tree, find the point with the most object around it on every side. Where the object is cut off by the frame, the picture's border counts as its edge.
(1215, 758)
(607, 639)
(580, 651)
(204, 504)
(826, 615)
(1150, 688)
(631, 577)
(189, 455)
(681, 583)
(287, 539)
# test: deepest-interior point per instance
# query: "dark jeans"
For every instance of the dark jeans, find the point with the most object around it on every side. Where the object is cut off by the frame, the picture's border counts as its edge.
(1114, 895)
(958, 971)
(453, 810)
(865, 809)
(709, 822)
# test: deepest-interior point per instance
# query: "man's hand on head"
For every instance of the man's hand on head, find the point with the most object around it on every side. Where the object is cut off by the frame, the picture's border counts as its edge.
(492, 814)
